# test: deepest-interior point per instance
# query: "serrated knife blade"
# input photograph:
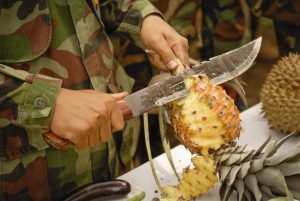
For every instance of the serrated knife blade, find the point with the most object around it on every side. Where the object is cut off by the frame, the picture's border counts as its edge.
(219, 69)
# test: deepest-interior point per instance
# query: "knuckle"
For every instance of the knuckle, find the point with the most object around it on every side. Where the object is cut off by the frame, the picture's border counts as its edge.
(181, 41)
(184, 40)
(103, 112)
(156, 41)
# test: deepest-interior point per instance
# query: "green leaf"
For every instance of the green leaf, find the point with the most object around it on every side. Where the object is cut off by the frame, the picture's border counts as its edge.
(138, 197)
(252, 185)
(267, 191)
(283, 156)
(240, 187)
(148, 147)
(290, 168)
(165, 142)
(275, 179)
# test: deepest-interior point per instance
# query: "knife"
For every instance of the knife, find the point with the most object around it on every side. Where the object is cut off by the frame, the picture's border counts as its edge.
(219, 69)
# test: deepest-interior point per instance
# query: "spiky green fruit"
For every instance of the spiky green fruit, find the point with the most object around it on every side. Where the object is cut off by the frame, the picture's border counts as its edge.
(280, 94)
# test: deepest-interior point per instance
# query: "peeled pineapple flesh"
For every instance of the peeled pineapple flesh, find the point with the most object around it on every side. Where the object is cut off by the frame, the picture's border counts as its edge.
(206, 119)
(195, 181)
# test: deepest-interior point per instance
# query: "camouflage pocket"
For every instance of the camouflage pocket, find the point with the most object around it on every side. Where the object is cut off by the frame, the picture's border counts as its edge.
(25, 30)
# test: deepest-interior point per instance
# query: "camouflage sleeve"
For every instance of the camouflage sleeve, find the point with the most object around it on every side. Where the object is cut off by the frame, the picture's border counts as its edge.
(26, 100)
(285, 11)
(126, 16)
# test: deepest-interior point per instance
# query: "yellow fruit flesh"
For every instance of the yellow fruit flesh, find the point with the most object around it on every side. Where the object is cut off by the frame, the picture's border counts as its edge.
(203, 122)
(196, 181)
(206, 119)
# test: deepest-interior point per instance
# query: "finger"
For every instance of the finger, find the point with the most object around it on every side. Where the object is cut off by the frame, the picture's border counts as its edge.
(181, 51)
(105, 129)
(156, 60)
(165, 52)
(78, 140)
(126, 112)
(82, 143)
(119, 96)
(94, 137)
(117, 120)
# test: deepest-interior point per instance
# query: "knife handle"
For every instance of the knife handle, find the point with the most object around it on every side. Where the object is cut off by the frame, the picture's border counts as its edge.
(60, 143)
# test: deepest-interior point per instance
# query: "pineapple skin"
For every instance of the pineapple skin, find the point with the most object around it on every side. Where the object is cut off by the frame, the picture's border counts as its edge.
(206, 119)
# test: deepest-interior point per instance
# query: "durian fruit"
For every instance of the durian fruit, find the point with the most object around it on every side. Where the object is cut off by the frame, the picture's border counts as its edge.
(195, 181)
(264, 174)
(280, 94)
(206, 119)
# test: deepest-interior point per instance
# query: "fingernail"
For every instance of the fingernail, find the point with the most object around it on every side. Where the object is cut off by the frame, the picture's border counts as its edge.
(172, 65)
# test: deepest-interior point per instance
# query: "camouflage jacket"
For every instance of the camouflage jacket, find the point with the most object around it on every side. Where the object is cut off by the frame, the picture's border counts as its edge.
(286, 17)
(48, 45)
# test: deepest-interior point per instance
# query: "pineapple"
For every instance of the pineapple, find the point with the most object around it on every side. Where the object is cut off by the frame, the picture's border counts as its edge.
(204, 121)
(207, 123)
(195, 181)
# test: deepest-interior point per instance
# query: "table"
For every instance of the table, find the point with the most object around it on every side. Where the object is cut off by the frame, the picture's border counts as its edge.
(255, 130)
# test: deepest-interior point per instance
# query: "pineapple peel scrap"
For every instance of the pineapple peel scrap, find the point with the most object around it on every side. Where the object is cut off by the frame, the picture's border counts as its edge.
(195, 181)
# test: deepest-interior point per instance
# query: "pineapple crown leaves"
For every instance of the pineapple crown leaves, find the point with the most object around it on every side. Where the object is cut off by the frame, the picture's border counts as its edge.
(262, 174)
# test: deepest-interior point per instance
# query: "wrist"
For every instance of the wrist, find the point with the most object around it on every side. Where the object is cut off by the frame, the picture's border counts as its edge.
(39, 103)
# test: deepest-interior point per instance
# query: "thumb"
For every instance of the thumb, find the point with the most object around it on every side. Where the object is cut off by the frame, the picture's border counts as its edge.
(119, 96)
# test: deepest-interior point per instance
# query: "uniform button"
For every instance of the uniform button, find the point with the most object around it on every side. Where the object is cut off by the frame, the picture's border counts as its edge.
(40, 102)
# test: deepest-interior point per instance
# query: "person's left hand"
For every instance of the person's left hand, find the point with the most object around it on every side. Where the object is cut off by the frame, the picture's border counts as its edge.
(167, 44)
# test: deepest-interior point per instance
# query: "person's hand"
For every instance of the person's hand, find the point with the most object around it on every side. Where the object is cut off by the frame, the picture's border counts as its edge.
(87, 117)
(159, 36)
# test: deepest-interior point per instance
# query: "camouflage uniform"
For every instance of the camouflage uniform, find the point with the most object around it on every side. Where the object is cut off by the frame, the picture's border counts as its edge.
(48, 45)
(286, 17)
(226, 25)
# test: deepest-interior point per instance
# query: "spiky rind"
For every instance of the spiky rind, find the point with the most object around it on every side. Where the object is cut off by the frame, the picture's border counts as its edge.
(280, 94)
(206, 119)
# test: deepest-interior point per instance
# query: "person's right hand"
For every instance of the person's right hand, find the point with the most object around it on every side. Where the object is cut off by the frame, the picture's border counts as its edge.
(87, 117)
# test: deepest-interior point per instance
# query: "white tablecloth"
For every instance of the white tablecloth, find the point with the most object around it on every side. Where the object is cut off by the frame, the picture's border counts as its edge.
(255, 131)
